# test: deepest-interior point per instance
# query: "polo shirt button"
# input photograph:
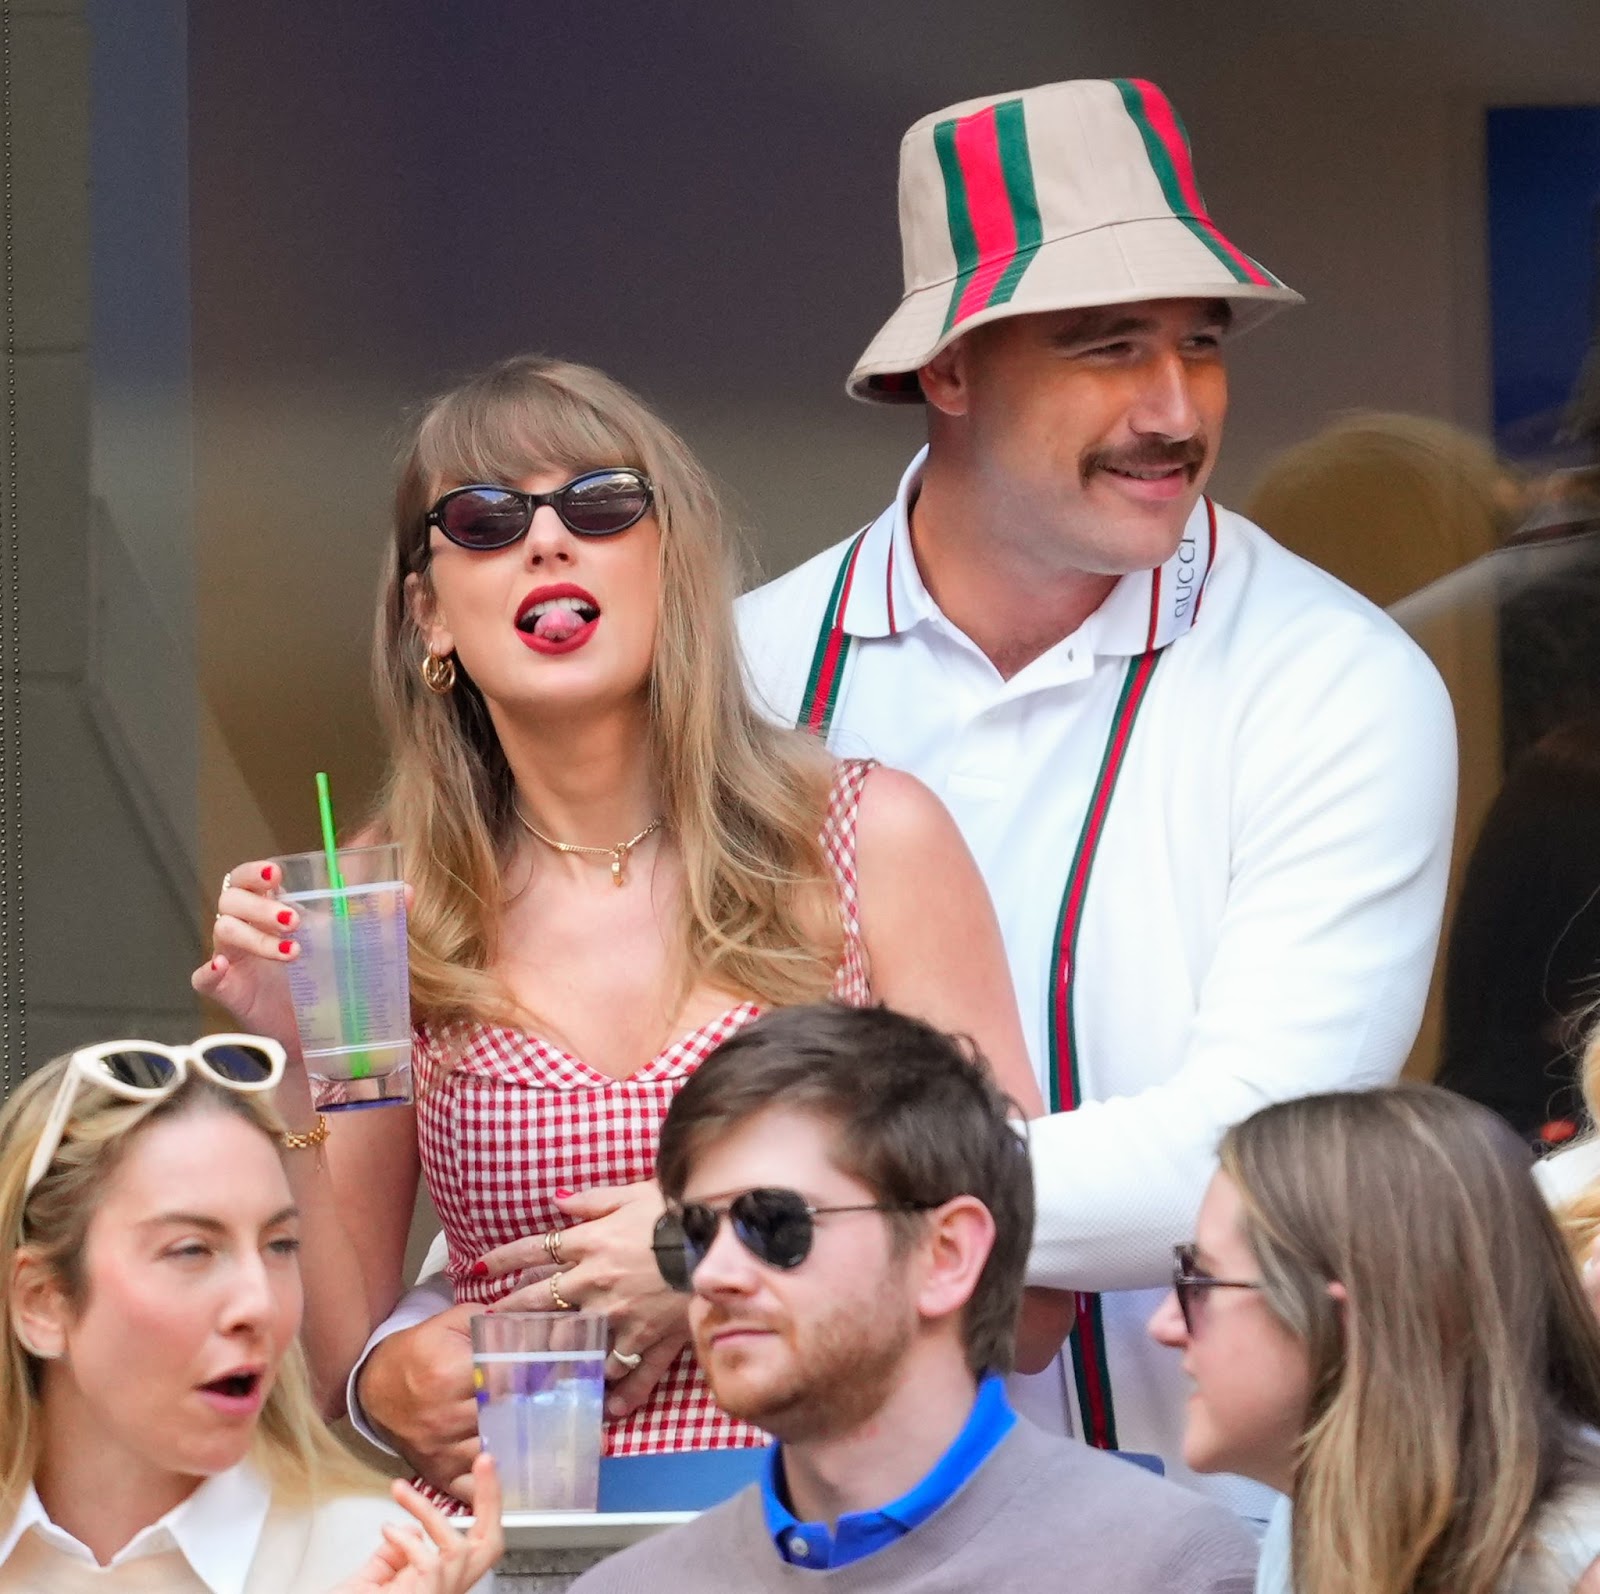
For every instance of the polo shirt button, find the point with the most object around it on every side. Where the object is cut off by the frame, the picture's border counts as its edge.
(799, 1547)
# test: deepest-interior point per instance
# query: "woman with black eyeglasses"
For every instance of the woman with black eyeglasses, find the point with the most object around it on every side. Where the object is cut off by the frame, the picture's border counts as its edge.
(1381, 1322)
(616, 862)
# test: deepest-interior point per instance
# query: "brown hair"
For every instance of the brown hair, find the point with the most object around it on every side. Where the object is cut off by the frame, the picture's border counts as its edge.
(743, 798)
(52, 1221)
(1450, 1388)
(920, 1121)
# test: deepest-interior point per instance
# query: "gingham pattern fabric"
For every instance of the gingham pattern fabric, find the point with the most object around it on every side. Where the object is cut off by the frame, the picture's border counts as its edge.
(505, 1119)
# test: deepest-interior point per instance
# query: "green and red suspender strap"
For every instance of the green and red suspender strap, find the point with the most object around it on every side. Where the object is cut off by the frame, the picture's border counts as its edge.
(1174, 601)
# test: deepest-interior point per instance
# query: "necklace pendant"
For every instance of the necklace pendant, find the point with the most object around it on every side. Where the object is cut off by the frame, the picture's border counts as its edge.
(619, 856)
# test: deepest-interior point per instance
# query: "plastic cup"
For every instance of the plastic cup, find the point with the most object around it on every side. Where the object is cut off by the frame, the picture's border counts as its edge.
(540, 1381)
(351, 983)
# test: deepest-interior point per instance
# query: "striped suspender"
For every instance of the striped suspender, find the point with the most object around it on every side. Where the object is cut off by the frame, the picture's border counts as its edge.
(821, 700)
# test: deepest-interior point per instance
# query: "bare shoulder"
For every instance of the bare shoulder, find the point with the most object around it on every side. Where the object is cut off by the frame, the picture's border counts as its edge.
(899, 817)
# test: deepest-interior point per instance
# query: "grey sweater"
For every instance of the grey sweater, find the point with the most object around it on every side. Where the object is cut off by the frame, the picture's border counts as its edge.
(1041, 1514)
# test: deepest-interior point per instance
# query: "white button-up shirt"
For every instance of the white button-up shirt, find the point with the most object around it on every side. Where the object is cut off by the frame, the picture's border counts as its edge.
(1264, 904)
(216, 1530)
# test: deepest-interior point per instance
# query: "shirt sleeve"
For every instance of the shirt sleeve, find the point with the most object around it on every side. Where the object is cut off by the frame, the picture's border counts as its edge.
(1341, 808)
(425, 1299)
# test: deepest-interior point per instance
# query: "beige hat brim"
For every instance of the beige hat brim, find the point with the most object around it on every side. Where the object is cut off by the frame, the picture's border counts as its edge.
(1123, 262)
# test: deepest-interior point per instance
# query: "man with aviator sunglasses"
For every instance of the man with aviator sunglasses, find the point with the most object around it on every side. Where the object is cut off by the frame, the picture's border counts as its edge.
(849, 1207)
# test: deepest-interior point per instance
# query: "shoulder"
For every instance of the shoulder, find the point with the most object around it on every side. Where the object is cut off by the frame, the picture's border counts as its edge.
(685, 1557)
(315, 1545)
(779, 625)
(1155, 1523)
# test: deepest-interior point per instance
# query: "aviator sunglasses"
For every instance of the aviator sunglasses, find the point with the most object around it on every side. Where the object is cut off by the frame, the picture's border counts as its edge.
(774, 1226)
(599, 503)
(1190, 1282)
(147, 1071)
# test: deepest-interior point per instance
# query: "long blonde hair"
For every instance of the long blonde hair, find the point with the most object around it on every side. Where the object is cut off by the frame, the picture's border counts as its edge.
(1580, 1216)
(1449, 1390)
(744, 799)
(293, 1445)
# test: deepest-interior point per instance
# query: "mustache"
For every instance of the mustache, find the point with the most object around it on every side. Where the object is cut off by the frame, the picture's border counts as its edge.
(1154, 453)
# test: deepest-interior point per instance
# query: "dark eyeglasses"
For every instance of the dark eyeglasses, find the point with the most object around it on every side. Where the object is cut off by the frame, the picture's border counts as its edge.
(774, 1226)
(599, 503)
(1190, 1282)
(149, 1070)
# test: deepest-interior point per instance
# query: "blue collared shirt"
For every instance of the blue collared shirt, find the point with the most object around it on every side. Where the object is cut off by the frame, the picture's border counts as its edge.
(859, 1533)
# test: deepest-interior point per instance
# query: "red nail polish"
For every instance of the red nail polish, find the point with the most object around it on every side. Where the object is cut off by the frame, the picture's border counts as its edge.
(286, 947)
(286, 918)
(480, 1270)
(266, 873)
(563, 1195)
(216, 965)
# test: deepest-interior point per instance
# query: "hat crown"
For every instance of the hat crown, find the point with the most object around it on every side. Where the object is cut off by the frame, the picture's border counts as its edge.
(985, 182)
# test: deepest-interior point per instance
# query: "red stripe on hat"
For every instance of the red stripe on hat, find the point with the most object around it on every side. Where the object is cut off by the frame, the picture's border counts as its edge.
(1163, 122)
(988, 205)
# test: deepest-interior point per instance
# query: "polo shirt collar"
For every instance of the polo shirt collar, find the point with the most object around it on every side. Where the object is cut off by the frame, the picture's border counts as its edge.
(216, 1530)
(859, 1533)
(1146, 610)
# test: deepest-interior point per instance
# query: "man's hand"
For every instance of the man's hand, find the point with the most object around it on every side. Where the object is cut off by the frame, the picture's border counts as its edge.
(416, 1388)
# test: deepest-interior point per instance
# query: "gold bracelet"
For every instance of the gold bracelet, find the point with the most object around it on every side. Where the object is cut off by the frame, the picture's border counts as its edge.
(306, 1138)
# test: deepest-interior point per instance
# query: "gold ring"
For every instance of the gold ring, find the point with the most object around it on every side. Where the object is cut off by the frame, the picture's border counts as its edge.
(552, 1246)
(629, 1359)
(557, 1299)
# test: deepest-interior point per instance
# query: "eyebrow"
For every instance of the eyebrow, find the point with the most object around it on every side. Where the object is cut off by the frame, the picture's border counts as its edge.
(1105, 322)
(200, 1220)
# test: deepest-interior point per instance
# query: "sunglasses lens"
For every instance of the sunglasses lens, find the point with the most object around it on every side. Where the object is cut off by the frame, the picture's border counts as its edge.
(141, 1069)
(673, 1258)
(483, 518)
(775, 1225)
(606, 502)
(245, 1065)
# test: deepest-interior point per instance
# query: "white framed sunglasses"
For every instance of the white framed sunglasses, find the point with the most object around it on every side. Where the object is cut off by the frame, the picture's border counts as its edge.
(149, 1070)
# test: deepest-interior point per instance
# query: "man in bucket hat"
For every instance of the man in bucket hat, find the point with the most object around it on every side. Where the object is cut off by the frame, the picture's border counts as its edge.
(1210, 788)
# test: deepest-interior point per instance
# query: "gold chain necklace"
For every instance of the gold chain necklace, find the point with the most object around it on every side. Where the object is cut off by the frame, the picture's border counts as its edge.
(618, 854)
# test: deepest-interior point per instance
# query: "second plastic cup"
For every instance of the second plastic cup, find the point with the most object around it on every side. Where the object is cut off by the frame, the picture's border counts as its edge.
(540, 1381)
(351, 984)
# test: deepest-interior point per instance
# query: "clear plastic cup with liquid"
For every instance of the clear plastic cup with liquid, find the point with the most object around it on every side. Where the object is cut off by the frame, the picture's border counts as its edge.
(540, 1382)
(351, 983)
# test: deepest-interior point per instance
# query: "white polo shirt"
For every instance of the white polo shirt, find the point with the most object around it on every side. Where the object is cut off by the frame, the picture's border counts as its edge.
(1264, 902)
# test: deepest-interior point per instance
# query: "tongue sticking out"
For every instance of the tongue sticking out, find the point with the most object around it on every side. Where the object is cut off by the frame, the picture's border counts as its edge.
(557, 625)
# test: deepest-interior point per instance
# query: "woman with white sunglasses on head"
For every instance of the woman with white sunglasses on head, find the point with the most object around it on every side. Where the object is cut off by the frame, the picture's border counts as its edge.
(1381, 1322)
(159, 1434)
(616, 863)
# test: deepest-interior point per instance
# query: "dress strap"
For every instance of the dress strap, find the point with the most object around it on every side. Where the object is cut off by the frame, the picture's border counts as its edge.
(839, 848)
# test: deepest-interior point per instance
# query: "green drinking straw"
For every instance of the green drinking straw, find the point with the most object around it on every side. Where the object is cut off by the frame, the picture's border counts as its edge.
(350, 1002)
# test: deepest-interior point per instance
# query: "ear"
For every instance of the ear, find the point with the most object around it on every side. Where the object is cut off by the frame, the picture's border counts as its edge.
(39, 1311)
(955, 1246)
(946, 378)
(425, 615)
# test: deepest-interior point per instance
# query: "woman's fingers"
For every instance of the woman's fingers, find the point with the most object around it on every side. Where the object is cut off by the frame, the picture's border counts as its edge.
(516, 1256)
(635, 1387)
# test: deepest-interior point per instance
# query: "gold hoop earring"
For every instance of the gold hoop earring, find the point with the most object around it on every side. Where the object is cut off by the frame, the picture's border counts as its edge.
(438, 673)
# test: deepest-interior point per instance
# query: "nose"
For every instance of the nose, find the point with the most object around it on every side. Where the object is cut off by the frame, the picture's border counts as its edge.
(727, 1269)
(1165, 406)
(250, 1299)
(548, 541)
(1166, 1325)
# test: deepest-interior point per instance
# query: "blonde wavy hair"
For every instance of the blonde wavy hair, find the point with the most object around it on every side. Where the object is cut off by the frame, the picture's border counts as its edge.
(1450, 1390)
(293, 1445)
(744, 799)
(1580, 1216)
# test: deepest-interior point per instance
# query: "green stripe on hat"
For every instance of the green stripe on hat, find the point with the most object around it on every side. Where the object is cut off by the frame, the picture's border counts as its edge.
(1017, 164)
(958, 217)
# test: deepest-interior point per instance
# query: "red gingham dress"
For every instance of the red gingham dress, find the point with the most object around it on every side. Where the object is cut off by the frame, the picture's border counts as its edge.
(505, 1119)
